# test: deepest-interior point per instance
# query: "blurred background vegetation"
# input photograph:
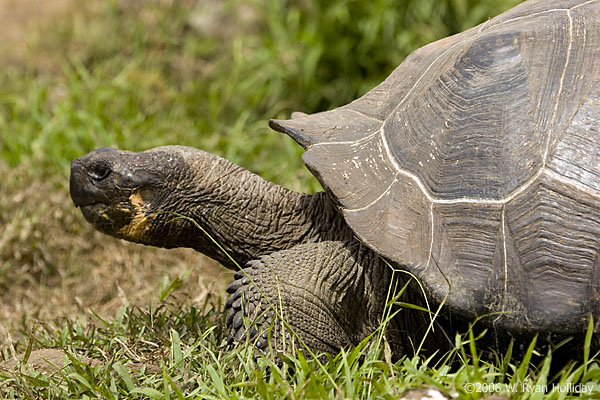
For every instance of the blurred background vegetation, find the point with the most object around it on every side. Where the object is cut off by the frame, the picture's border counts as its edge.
(208, 73)
(142, 73)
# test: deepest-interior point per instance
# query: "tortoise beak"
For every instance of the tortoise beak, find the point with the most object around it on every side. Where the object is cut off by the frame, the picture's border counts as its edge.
(85, 178)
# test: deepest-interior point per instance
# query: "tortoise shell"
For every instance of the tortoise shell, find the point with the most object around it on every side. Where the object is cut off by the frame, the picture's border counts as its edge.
(476, 166)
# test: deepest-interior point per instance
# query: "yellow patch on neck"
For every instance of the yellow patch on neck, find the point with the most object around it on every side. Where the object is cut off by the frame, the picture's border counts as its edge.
(137, 228)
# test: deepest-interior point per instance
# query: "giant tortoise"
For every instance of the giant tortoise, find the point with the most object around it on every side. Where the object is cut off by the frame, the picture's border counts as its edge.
(474, 168)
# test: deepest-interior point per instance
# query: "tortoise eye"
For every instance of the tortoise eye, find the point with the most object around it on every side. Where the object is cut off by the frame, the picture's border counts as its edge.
(99, 172)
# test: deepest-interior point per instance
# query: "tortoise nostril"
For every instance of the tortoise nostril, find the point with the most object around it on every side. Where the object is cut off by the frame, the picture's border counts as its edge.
(98, 172)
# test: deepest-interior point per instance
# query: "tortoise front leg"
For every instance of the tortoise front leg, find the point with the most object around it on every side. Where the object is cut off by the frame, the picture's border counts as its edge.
(325, 292)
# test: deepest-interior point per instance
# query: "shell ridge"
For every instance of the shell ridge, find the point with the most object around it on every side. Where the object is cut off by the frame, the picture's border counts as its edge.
(570, 182)
(560, 91)
(349, 142)
(508, 21)
(363, 115)
(584, 4)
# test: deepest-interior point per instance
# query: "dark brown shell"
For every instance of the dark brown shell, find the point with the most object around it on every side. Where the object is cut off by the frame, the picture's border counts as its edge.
(476, 164)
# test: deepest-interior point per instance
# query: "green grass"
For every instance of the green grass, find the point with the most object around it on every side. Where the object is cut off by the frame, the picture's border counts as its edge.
(166, 352)
(143, 74)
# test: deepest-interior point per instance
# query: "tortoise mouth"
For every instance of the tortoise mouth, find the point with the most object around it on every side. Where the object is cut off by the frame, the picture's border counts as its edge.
(105, 217)
(94, 211)
(95, 207)
(88, 204)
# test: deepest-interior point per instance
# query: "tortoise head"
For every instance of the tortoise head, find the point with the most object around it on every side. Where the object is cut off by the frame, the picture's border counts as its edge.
(123, 193)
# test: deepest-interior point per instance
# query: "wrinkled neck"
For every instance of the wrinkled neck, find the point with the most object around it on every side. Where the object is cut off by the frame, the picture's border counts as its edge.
(246, 215)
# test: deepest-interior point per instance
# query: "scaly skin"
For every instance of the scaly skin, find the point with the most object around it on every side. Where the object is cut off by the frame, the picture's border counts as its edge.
(299, 252)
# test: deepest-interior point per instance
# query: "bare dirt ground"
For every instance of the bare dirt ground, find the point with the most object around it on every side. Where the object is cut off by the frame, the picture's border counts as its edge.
(20, 18)
(53, 265)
